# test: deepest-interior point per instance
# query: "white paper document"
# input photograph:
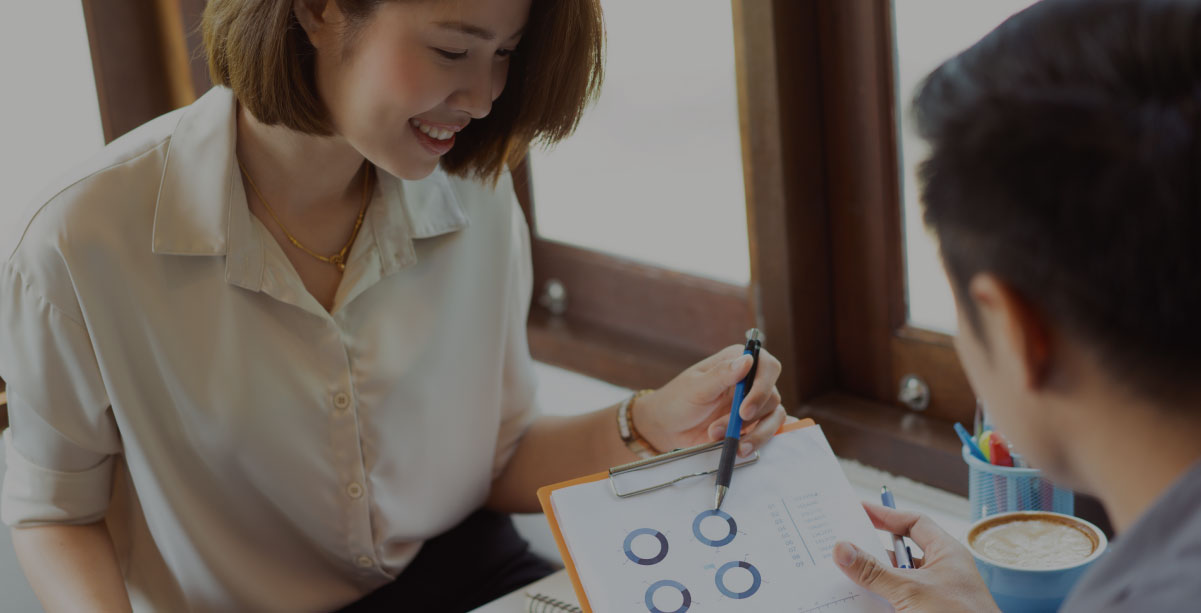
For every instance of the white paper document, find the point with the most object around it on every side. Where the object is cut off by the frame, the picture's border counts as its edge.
(769, 549)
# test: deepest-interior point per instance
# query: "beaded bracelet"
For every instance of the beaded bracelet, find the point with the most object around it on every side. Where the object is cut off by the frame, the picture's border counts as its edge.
(629, 433)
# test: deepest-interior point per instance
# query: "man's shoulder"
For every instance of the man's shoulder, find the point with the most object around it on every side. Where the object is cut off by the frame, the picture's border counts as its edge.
(1166, 585)
(1155, 565)
(1166, 582)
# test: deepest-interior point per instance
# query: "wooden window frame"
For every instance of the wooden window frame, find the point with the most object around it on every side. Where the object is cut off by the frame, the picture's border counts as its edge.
(626, 322)
(816, 85)
(144, 61)
(874, 345)
(820, 160)
(638, 325)
(815, 91)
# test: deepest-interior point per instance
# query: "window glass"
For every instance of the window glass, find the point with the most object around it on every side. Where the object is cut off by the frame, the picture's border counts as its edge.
(49, 113)
(654, 172)
(927, 33)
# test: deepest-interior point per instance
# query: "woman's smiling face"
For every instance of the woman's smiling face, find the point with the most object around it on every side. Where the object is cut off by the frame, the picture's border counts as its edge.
(400, 85)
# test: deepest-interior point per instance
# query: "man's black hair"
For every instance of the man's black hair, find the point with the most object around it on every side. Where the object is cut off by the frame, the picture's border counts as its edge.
(1066, 161)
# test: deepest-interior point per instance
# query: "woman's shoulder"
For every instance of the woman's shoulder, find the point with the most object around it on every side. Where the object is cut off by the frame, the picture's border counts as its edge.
(479, 188)
(91, 203)
(480, 194)
(486, 202)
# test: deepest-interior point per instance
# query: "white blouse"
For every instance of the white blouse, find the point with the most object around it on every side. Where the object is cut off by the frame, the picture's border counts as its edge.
(169, 372)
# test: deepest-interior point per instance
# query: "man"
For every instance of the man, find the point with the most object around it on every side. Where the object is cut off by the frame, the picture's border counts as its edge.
(1064, 186)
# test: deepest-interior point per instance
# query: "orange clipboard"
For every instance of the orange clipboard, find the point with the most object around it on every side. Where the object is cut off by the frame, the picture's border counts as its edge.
(544, 498)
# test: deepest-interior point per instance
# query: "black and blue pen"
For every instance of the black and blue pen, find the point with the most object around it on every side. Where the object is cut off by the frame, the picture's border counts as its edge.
(729, 449)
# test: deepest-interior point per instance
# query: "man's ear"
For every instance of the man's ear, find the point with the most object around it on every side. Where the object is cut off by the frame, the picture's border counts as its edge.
(1014, 329)
(315, 17)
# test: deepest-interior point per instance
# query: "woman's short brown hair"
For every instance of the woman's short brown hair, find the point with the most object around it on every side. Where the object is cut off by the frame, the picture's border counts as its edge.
(258, 49)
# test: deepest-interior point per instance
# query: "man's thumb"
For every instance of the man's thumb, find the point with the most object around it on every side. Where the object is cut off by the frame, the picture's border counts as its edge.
(865, 570)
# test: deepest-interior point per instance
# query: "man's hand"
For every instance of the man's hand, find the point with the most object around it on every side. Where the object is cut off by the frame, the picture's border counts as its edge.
(945, 579)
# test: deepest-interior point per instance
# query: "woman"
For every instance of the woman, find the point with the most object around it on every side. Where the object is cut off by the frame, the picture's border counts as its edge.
(264, 347)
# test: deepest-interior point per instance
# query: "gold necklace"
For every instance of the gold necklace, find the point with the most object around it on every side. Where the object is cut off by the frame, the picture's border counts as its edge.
(338, 259)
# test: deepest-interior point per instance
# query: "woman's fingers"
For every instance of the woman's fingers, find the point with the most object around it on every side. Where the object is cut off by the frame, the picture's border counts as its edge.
(717, 429)
(717, 375)
(769, 404)
(716, 360)
(715, 382)
(759, 399)
(762, 431)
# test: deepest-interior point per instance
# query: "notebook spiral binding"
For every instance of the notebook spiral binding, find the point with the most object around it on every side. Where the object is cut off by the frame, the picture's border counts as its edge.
(540, 603)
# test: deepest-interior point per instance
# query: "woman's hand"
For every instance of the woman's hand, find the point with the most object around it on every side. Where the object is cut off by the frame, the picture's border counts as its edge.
(945, 578)
(694, 408)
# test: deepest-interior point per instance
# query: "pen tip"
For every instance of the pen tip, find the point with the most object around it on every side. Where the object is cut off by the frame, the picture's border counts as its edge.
(721, 495)
(883, 489)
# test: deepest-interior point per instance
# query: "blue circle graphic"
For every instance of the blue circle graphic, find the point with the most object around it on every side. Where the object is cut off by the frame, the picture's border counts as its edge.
(756, 580)
(650, 596)
(646, 561)
(696, 528)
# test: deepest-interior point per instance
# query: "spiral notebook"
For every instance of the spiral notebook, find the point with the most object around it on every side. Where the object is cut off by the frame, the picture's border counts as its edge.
(552, 594)
(542, 603)
(648, 539)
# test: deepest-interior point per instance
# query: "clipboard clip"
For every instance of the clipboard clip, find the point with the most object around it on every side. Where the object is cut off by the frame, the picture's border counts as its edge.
(666, 458)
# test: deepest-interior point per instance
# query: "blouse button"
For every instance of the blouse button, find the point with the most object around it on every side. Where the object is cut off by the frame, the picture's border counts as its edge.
(341, 401)
(354, 490)
(364, 562)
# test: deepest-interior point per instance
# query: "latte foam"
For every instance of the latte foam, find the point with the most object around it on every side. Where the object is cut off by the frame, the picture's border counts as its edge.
(1034, 544)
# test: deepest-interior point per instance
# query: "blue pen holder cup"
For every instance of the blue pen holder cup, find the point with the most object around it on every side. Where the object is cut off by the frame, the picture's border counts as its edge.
(1001, 489)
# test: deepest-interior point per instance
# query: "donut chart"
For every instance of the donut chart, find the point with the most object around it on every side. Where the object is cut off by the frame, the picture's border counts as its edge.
(655, 559)
(667, 583)
(696, 528)
(756, 580)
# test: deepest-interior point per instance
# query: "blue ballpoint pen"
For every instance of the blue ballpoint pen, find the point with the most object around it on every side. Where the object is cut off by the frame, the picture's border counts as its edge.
(729, 449)
(968, 442)
(898, 541)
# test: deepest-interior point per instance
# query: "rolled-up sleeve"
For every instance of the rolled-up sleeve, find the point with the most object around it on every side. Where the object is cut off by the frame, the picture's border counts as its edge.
(520, 384)
(62, 435)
